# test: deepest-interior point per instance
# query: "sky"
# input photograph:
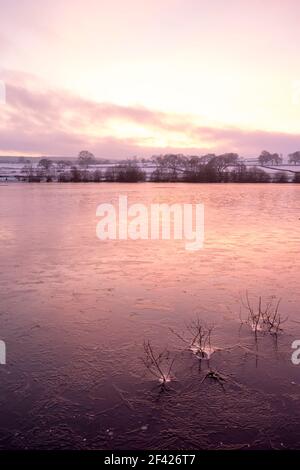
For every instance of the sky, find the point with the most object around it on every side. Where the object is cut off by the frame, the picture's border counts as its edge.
(125, 78)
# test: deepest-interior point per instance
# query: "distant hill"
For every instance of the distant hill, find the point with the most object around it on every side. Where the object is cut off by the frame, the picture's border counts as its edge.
(22, 159)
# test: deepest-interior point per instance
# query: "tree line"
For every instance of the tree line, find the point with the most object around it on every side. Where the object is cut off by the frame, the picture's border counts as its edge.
(209, 168)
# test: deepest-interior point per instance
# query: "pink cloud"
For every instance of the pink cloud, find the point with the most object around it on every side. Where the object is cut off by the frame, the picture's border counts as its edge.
(55, 122)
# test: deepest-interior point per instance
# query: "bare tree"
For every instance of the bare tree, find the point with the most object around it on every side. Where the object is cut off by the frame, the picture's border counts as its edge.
(269, 158)
(159, 365)
(294, 158)
(263, 317)
(198, 339)
(45, 163)
(86, 158)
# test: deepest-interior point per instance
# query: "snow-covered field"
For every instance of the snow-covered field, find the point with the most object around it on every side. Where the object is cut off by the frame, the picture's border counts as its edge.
(13, 171)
